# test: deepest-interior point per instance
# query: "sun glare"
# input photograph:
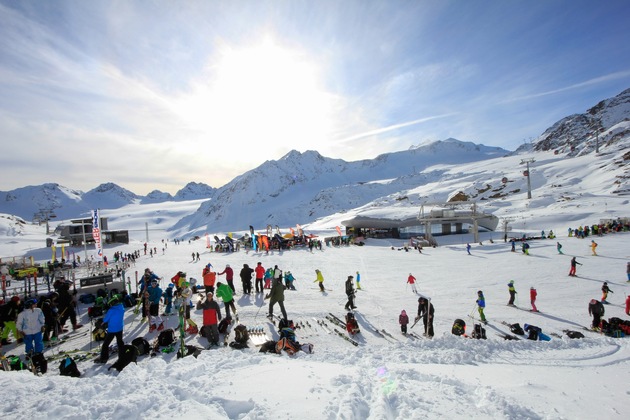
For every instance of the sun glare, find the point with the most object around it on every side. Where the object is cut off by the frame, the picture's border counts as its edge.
(262, 95)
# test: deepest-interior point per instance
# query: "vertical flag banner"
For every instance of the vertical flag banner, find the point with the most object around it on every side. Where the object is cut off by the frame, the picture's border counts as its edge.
(54, 252)
(96, 234)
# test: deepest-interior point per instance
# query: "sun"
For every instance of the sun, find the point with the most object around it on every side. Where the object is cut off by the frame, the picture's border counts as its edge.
(265, 93)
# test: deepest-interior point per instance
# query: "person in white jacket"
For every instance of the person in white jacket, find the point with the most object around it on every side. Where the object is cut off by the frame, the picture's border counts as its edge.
(30, 324)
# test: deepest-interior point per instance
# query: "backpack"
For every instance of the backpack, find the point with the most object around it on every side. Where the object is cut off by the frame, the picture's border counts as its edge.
(286, 345)
(101, 293)
(142, 345)
(39, 362)
(87, 298)
(95, 311)
(240, 334)
(15, 363)
(516, 329)
(190, 350)
(268, 347)
(224, 324)
(459, 327)
(166, 337)
(98, 333)
(128, 354)
(479, 332)
(68, 367)
(533, 332)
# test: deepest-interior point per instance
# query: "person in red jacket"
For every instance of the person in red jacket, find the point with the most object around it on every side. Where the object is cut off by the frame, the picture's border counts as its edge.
(628, 305)
(260, 275)
(532, 298)
(211, 318)
(403, 320)
(412, 281)
(229, 276)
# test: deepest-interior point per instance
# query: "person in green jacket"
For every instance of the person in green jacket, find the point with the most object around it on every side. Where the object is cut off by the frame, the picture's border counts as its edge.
(225, 293)
(276, 295)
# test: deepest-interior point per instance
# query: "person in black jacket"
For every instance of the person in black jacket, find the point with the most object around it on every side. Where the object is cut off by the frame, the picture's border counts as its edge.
(350, 294)
(66, 305)
(596, 310)
(425, 310)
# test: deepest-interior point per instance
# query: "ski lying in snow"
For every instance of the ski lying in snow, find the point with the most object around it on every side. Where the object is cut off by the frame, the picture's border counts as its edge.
(322, 324)
(414, 335)
(336, 320)
(388, 334)
(508, 336)
(345, 337)
(257, 335)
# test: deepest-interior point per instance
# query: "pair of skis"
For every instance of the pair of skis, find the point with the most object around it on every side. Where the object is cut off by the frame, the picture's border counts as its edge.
(338, 322)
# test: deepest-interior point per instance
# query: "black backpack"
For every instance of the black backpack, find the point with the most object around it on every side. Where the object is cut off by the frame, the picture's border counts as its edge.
(142, 345)
(268, 347)
(39, 362)
(68, 367)
(241, 335)
(95, 311)
(459, 327)
(479, 332)
(516, 329)
(190, 351)
(532, 332)
(126, 355)
(574, 334)
(285, 323)
(166, 337)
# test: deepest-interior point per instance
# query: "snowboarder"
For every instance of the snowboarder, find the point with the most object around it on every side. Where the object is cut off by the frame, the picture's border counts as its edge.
(358, 278)
(605, 291)
(512, 292)
(596, 310)
(403, 320)
(114, 322)
(532, 298)
(320, 279)
(593, 247)
(574, 265)
(350, 294)
(30, 325)
(425, 310)
(276, 295)
(559, 248)
(481, 304)
(412, 281)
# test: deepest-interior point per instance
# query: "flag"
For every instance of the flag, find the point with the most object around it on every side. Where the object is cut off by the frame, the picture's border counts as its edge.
(338, 230)
(96, 234)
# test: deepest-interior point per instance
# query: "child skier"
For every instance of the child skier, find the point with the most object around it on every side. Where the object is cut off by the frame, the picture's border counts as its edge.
(481, 304)
(605, 291)
(559, 248)
(593, 247)
(403, 320)
(412, 281)
(512, 291)
(358, 279)
(532, 298)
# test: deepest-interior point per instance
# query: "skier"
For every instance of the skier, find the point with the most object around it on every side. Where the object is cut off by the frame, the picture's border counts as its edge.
(593, 247)
(320, 279)
(596, 310)
(512, 291)
(525, 248)
(532, 298)
(260, 275)
(513, 244)
(468, 248)
(425, 310)
(114, 322)
(350, 294)
(66, 305)
(168, 300)
(225, 293)
(209, 278)
(268, 277)
(574, 265)
(403, 320)
(211, 318)
(154, 294)
(412, 281)
(276, 295)
(9, 316)
(605, 291)
(481, 304)
(288, 280)
(30, 325)
(559, 248)
(359, 279)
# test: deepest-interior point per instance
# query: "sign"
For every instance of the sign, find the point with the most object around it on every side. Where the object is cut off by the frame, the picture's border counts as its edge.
(96, 234)
(96, 280)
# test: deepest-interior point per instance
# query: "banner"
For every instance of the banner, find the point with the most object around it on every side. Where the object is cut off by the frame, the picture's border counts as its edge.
(96, 234)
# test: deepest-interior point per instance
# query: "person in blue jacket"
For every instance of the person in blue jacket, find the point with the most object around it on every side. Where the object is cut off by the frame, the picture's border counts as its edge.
(114, 322)
(155, 295)
(481, 304)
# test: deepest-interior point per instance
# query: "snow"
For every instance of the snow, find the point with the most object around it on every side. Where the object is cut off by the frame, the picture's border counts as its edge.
(447, 377)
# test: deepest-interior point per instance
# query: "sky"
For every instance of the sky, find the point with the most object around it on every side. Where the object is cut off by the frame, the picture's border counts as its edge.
(155, 94)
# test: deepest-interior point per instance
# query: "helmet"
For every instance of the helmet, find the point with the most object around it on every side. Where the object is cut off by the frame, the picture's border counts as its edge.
(15, 298)
(30, 302)
(171, 285)
(227, 265)
(154, 281)
(480, 292)
(115, 300)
